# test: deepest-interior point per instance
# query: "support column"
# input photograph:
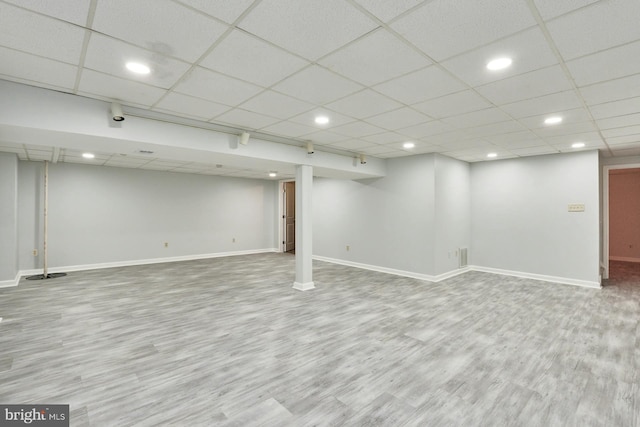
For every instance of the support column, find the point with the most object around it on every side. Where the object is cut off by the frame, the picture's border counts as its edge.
(304, 232)
(8, 219)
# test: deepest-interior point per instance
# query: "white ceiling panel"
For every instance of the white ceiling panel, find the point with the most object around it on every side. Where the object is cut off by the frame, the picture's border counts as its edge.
(552, 8)
(317, 85)
(500, 128)
(197, 108)
(386, 10)
(421, 85)
(110, 56)
(295, 25)
(25, 67)
(40, 35)
(114, 88)
(225, 10)
(534, 151)
(545, 104)
(477, 118)
(353, 144)
(524, 86)
(246, 57)
(453, 105)
(158, 25)
(400, 118)
(375, 58)
(216, 87)
(427, 129)
(613, 90)
(620, 121)
(607, 65)
(378, 150)
(617, 140)
(364, 104)
(335, 119)
(616, 108)
(290, 129)
(565, 129)
(276, 105)
(357, 129)
(325, 137)
(245, 119)
(386, 138)
(528, 50)
(74, 11)
(444, 28)
(586, 137)
(606, 24)
(576, 115)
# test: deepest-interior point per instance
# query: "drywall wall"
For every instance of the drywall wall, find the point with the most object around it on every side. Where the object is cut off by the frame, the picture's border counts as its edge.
(8, 218)
(624, 215)
(109, 215)
(520, 220)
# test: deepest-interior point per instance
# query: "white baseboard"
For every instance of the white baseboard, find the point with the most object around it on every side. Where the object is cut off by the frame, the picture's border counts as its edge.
(403, 273)
(307, 286)
(11, 283)
(542, 277)
(130, 263)
(624, 258)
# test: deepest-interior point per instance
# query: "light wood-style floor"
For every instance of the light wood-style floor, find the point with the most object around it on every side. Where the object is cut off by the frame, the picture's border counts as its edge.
(227, 342)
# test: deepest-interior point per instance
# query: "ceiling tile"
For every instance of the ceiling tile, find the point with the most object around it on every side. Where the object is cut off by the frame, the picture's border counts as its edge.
(295, 25)
(377, 57)
(396, 119)
(26, 67)
(146, 23)
(246, 57)
(475, 145)
(529, 51)
(565, 129)
(245, 119)
(363, 104)
(534, 151)
(477, 118)
(607, 23)
(427, 129)
(509, 145)
(109, 56)
(421, 85)
(317, 85)
(126, 91)
(447, 138)
(357, 129)
(621, 121)
(276, 105)
(545, 104)
(386, 138)
(32, 33)
(443, 28)
(552, 8)
(619, 151)
(225, 10)
(378, 149)
(75, 11)
(216, 87)
(576, 115)
(288, 129)
(387, 10)
(454, 104)
(613, 90)
(616, 108)
(185, 105)
(607, 65)
(496, 129)
(325, 137)
(524, 86)
(353, 144)
(335, 119)
(616, 140)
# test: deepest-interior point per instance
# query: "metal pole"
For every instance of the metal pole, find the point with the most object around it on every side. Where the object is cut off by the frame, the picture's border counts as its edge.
(46, 207)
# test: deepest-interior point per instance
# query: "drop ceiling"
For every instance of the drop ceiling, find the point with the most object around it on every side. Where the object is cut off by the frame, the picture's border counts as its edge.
(384, 72)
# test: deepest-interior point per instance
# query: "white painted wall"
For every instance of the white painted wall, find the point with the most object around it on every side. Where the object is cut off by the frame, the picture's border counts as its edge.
(8, 218)
(104, 215)
(520, 220)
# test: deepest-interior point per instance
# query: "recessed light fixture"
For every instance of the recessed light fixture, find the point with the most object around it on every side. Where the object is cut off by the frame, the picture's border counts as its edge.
(138, 68)
(88, 155)
(273, 174)
(554, 120)
(408, 144)
(499, 64)
(578, 145)
(492, 155)
(322, 120)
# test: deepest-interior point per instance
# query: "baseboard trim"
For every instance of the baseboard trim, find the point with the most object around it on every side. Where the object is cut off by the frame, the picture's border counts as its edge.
(11, 283)
(131, 263)
(307, 286)
(542, 277)
(624, 258)
(404, 273)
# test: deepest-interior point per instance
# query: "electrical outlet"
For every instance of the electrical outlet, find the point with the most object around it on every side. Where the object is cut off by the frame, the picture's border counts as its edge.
(576, 207)
(348, 248)
(35, 252)
(166, 244)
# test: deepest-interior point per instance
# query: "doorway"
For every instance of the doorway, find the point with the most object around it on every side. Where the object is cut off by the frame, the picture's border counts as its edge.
(621, 214)
(289, 216)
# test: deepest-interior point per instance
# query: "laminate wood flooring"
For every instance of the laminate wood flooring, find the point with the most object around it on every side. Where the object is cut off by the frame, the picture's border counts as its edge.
(228, 342)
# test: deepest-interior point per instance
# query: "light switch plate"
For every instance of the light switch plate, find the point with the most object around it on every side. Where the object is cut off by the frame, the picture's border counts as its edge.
(576, 207)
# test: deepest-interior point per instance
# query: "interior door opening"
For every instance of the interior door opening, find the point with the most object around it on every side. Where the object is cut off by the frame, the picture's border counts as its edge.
(289, 216)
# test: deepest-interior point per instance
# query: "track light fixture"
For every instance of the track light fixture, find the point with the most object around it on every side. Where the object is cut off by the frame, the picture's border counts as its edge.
(310, 148)
(244, 138)
(363, 159)
(116, 112)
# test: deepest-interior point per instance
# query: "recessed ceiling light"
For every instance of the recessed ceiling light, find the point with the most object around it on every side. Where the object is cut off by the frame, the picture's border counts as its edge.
(499, 64)
(492, 155)
(578, 145)
(138, 68)
(322, 120)
(88, 155)
(554, 120)
(273, 174)
(409, 144)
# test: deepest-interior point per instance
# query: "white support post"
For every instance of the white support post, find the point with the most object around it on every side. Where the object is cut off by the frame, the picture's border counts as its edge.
(304, 229)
